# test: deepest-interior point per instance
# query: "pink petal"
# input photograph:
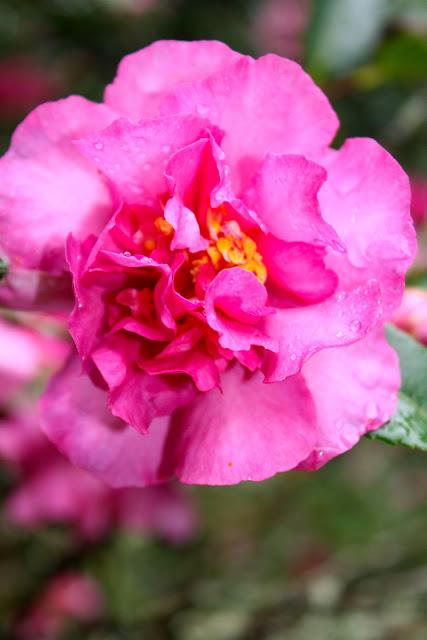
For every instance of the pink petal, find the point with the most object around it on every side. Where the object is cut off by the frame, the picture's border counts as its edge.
(296, 272)
(354, 389)
(47, 188)
(302, 331)
(247, 431)
(76, 418)
(146, 76)
(134, 157)
(264, 105)
(284, 196)
(236, 307)
(366, 198)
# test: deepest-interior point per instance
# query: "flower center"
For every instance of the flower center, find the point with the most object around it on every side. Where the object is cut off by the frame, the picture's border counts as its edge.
(228, 246)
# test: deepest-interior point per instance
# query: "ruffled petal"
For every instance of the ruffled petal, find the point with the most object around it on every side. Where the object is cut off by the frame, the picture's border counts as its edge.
(366, 198)
(264, 105)
(133, 157)
(48, 189)
(235, 307)
(283, 194)
(246, 431)
(76, 418)
(146, 76)
(355, 390)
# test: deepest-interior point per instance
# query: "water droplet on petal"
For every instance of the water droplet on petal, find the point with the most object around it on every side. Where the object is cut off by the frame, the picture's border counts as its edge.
(127, 254)
(355, 326)
(339, 334)
(98, 145)
(293, 356)
(341, 296)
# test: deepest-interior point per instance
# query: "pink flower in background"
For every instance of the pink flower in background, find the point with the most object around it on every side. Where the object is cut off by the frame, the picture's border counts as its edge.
(232, 274)
(412, 314)
(25, 354)
(51, 490)
(419, 200)
(23, 85)
(48, 489)
(68, 596)
(280, 27)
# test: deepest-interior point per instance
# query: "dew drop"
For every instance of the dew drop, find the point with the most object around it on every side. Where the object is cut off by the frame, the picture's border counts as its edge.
(339, 334)
(293, 356)
(127, 254)
(321, 454)
(355, 326)
(341, 296)
(99, 146)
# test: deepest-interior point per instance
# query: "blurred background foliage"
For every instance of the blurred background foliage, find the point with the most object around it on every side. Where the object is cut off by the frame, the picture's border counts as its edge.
(340, 554)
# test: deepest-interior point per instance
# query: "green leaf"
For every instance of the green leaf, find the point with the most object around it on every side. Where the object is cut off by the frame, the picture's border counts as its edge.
(408, 426)
(3, 269)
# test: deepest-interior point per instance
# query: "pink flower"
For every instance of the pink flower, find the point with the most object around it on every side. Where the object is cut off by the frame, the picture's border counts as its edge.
(48, 488)
(232, 274)
(23, 85)
(280, 27)
(68, 596)
(24, 354)
(412, 314)
(419, 200)
(51, 490)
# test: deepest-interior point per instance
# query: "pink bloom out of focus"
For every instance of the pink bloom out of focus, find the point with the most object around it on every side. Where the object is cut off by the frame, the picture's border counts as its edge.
(23, 85)
(412, 314)
(231, 274)
(48, 488)
(419, 200)
(68, 596)
(280, 26)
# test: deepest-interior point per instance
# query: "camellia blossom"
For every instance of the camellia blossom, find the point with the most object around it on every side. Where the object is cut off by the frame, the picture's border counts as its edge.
(231, 273)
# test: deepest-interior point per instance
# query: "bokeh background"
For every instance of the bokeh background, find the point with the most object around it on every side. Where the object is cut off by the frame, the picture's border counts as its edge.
(340, 554)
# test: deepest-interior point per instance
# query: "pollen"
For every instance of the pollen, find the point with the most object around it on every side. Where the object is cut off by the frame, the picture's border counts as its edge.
(163, 226)
(230, 247)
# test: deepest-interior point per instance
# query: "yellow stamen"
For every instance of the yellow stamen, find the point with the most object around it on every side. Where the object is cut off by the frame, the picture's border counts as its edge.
(149, 244)
(230, 247)
(163, 226)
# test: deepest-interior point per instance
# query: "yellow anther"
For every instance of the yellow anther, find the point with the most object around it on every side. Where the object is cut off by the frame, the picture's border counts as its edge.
(163, 226)
(215, 256)
(229, 246)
